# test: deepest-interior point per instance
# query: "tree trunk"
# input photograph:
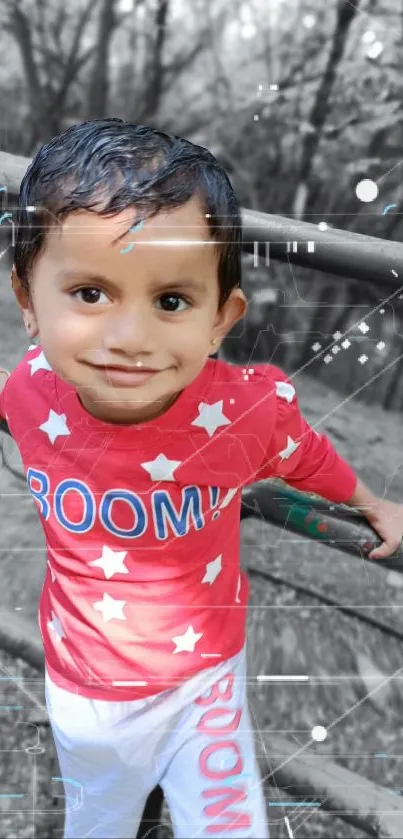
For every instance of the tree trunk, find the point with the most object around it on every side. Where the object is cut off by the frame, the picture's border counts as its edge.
(97, 102)
(155, 70)
(346, 13)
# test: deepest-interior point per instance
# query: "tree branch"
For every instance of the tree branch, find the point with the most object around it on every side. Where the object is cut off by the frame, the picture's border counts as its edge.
(178, 65)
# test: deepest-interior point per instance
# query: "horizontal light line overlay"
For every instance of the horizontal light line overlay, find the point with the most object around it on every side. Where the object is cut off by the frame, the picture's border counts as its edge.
(283, 678)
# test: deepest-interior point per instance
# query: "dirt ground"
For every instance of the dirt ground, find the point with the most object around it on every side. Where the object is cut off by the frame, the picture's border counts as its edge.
(285, 633)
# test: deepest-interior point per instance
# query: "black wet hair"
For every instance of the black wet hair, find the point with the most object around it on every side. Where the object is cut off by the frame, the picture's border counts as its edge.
(108, 165)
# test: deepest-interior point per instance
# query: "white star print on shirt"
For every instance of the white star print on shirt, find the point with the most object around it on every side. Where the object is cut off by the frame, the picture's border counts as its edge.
(40, 362)
(55, 426)
(111, 562)
(211, 417)
(110, 608)
(237, 600)
(161, 469)
(285, 391)
(188, 641)
(213, 570)
(57, 628)
(292, 447)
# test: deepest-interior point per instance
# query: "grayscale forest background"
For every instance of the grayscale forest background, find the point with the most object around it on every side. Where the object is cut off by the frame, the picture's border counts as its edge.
(300, 100)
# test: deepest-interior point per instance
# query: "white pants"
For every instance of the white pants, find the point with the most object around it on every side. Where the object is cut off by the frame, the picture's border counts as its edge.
(196, 741)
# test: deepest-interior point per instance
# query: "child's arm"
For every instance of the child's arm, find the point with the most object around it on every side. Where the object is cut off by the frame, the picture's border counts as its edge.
(364, 499)
(309, 462)
(300, 455)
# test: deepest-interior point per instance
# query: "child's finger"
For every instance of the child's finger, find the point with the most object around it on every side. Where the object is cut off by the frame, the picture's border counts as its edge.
(385, 550)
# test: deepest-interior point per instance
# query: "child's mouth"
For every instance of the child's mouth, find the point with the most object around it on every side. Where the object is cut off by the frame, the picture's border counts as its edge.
(125, 378)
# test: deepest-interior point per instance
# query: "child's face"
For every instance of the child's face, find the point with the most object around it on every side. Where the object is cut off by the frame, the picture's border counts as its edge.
(122, 317)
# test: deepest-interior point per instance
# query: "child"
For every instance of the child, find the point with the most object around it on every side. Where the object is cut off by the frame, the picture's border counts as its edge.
(136, 446)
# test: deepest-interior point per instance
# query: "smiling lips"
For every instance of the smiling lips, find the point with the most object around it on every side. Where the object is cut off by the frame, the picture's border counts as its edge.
(125, 376)
(128, 369)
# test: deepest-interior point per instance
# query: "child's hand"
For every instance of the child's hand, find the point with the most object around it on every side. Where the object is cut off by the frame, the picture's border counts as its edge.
(386, 517)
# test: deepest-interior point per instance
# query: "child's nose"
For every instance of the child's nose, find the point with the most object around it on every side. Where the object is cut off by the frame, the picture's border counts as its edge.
(131, 332)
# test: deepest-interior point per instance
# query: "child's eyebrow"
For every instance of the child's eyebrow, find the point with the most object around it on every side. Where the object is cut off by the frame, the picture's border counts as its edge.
(82, 276)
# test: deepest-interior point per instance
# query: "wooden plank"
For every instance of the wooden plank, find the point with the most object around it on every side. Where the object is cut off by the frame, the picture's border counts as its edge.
(356, 800)
(350, 581)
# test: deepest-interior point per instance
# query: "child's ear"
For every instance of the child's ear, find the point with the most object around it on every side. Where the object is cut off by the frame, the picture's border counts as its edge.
(16, 285)
(24, 303)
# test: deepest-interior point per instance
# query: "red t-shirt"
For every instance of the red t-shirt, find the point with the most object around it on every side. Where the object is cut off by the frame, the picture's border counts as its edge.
(142, 522)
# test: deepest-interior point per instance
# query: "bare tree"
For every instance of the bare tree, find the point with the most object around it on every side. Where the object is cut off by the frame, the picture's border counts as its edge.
(157, 74)
(346, 12)
(49, 69)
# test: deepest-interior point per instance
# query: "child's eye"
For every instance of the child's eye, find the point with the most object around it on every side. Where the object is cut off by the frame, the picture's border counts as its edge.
(86, 291)
(90, 292)
(174, 297)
